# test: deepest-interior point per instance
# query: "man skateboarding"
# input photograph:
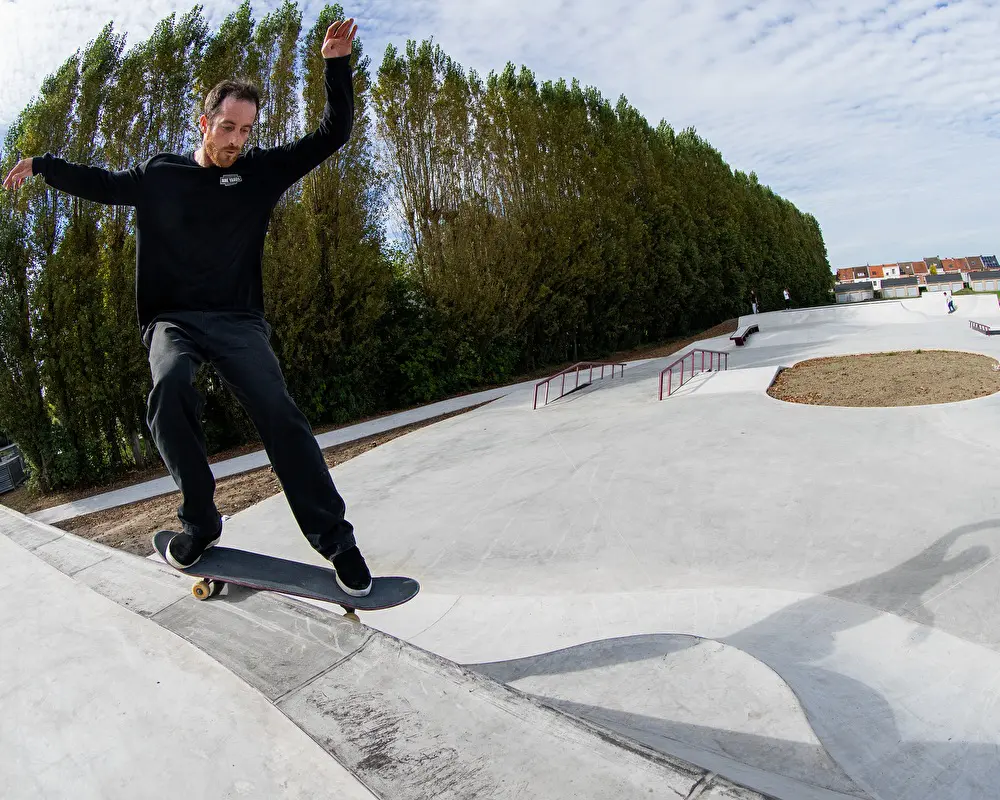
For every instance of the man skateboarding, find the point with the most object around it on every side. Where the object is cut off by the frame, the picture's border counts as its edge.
(201, 219)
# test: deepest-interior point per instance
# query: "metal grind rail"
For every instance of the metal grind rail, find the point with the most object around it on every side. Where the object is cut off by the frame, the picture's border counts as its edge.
(989, 330)
(576, 368)
(723, 360)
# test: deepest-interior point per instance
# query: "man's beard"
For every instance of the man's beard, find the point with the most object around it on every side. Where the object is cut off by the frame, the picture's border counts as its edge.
(219, 155)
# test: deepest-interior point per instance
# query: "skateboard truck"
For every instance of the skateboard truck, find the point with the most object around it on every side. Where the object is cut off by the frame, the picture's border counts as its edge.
(206, 588)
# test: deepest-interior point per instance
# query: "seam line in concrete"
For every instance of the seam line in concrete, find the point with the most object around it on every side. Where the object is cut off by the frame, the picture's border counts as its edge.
(703, 784)
(325, 670)
(171, 604)
(76, 572)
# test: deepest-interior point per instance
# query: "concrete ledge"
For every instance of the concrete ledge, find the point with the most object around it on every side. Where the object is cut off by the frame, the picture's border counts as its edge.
(410, 725)
(70, 554)
(26, 533)
(101, 704)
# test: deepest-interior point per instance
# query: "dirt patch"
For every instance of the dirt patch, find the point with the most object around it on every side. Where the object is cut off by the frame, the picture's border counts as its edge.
(917, 377)
(130, 527)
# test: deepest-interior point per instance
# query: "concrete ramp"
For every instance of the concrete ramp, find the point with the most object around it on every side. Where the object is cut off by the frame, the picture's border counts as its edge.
(886, 312)
(112, 675)
(967, 306)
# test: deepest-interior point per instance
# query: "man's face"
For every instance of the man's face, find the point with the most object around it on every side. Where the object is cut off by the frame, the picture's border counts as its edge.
(225, 136)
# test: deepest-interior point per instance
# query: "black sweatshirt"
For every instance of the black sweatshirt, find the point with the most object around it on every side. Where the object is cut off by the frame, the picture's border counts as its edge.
(200, 230)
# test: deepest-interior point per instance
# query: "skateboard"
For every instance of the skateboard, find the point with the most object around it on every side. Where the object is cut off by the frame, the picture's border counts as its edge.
(221, 565)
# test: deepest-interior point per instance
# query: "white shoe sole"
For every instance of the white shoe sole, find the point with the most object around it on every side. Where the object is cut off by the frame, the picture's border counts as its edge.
(176, 565)
(355, 592)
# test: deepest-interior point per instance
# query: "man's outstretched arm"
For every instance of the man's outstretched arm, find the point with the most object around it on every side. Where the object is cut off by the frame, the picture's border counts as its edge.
(90, 183)
(288, 163)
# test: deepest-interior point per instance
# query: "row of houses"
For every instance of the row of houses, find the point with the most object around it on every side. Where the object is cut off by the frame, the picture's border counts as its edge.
(905, 269)
(908, 278)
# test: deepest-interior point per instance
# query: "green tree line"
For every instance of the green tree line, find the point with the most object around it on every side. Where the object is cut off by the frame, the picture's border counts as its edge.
(472, 229)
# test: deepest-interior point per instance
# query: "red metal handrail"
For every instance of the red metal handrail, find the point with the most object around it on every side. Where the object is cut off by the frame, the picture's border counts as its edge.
(723, 364)
(575, 368)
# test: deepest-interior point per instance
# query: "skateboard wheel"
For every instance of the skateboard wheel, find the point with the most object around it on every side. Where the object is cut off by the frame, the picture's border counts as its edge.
(202, 590)
(350, 614)
(217, 587)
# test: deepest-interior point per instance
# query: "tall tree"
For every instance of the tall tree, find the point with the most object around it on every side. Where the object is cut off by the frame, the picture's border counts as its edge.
(540, 223)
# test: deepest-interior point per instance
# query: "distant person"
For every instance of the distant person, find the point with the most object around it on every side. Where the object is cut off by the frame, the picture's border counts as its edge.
(753, 300)
(788, 299)
(950, 301)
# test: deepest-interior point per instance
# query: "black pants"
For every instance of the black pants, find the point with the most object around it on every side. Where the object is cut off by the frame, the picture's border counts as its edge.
(237, 346)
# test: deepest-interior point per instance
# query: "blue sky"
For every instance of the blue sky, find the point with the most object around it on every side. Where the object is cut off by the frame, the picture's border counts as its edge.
(880, 118)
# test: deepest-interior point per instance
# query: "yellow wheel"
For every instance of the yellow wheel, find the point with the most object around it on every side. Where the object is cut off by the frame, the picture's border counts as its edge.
(352, 616)
(202, 590)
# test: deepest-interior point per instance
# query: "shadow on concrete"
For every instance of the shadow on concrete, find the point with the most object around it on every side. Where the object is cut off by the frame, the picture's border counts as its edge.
(853, 720)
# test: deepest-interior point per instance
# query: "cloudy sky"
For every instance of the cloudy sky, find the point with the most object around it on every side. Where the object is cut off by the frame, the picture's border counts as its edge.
(880, 118)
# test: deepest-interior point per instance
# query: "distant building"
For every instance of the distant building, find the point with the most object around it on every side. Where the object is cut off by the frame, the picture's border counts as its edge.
(901, 287)
(854, 292)
(919, 269)
(881, 272)
(985, 281)
(950, 281)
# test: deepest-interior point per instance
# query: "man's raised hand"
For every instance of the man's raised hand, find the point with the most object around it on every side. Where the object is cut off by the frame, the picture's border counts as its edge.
(339, 38)
(21, 172)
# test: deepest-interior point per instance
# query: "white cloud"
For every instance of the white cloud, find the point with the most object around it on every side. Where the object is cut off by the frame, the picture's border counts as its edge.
(878, 117)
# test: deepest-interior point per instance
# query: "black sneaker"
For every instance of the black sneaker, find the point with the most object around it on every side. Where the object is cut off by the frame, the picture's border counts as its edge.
(352, 572)
(183, 550)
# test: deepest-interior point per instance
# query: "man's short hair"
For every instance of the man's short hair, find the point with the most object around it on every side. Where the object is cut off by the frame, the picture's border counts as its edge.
(239, 90)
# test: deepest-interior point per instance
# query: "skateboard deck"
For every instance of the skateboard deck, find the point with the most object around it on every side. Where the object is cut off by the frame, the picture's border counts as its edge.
(221, 565)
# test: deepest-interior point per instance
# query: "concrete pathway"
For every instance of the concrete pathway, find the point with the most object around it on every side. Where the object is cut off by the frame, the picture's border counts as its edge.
(234, 466)
(250, 461)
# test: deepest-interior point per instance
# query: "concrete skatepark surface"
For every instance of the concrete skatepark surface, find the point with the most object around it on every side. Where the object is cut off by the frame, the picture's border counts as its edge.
(117, 684)
(799, 599)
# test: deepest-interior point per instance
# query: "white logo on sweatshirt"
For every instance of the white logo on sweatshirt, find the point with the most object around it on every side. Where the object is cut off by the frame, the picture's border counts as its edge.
(230, 180)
